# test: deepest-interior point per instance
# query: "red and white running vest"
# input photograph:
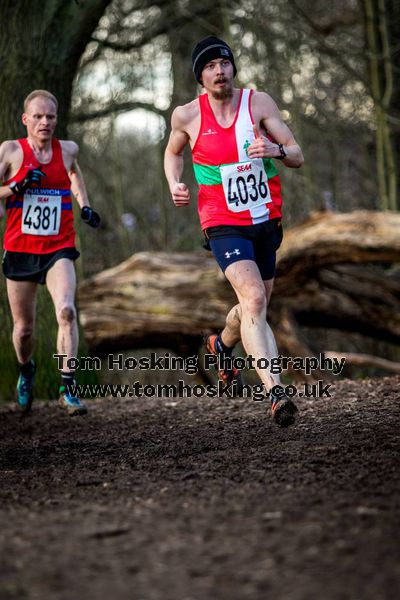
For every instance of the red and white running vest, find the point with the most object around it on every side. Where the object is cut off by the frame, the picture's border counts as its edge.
(234, 190)
(41, 220)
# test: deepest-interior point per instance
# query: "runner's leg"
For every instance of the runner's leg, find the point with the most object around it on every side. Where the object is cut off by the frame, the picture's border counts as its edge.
(271, 343)
(61, 283)
(22, 299)
(252, 292)
(231, 333)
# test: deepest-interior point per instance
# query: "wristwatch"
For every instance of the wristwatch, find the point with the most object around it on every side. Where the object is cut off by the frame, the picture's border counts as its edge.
(283, 153)
(12, 186)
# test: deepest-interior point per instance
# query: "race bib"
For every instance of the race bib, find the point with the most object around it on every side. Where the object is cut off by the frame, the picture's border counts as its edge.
(245, 185)
(41, 213)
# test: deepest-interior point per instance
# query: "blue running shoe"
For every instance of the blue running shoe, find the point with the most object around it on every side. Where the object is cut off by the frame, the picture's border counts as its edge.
(71, 403)
(25, 389)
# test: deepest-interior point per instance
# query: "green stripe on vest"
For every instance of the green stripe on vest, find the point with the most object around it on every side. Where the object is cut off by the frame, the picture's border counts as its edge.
(270, 168)
(207, 175)
(211, 175)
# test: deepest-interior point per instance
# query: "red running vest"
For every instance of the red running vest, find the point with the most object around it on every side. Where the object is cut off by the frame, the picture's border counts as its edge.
(234, 190)
(41, 220)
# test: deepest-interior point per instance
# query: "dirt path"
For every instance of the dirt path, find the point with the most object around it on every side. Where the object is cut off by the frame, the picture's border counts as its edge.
(203, 499)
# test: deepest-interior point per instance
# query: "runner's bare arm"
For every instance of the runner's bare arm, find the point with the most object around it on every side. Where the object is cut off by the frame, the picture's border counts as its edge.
(78, 187)
(173, 158)
(7, 149)
(267, 116)
(70, 152)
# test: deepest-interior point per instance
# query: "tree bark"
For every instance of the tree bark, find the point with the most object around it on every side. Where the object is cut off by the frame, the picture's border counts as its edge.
(366, 360)
(381, 44)
(41, 44)
(393, 20)
(153, 299)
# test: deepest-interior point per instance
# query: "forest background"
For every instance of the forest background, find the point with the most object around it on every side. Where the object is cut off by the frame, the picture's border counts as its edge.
(119, 68)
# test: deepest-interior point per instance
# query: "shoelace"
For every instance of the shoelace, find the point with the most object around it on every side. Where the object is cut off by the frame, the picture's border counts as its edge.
(72, 399)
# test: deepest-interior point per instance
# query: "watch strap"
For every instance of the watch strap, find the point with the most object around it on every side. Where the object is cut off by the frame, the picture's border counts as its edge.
(283, 153)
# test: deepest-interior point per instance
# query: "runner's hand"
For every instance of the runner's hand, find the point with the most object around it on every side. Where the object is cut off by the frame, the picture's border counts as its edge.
(33, 176)
(262, 147)
(90, 216)
(180, 194)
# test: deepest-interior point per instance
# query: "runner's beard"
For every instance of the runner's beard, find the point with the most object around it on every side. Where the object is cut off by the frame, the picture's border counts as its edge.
(225, 94)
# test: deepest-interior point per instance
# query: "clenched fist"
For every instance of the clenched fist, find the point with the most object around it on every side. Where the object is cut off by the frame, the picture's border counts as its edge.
(180, 194)
(262, 147)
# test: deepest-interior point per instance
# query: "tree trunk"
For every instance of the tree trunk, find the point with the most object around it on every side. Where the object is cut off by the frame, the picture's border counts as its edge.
(41, 45)
(381, 43)
(393, 20)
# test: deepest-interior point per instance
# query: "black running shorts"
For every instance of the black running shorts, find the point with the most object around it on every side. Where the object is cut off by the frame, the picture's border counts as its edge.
(24, 266)
(258, 243)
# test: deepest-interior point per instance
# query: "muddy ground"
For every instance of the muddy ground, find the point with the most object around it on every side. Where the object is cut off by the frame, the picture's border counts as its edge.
(203, 499)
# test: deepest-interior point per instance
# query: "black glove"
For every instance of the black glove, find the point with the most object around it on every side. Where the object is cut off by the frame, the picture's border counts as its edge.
(90, 216)
(33, 176)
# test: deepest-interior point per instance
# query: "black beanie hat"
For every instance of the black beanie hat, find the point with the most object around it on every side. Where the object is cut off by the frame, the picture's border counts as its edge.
(208, 49)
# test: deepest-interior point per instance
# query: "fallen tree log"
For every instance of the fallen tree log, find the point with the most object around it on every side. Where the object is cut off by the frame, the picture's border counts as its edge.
(353, 298)
(326, 238)
(154, 299)
(366, 360)
(334, 270)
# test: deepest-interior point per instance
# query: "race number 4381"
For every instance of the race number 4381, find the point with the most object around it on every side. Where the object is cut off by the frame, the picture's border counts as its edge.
(245, 185)
(41, 215)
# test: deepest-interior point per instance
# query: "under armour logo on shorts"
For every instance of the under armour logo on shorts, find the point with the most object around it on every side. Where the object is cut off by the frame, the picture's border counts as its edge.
(235, 251)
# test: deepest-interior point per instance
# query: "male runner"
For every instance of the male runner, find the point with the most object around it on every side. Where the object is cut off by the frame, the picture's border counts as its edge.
(234, 134)
(39, 173)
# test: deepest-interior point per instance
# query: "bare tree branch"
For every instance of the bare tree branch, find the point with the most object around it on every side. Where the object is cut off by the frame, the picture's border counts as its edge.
(329, 50)
(116, 108)
(164, 25)
(365, 360)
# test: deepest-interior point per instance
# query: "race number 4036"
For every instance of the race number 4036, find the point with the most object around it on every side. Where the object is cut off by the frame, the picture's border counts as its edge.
(245, 185)
(41, 214)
